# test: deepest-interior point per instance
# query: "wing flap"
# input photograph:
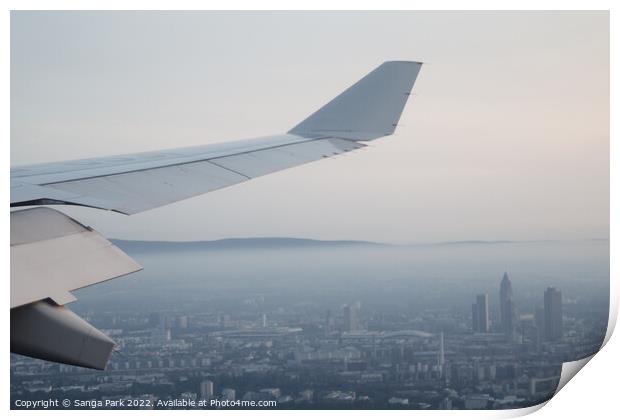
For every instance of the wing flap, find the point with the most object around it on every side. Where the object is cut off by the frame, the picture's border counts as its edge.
(52, 255)
(134, 192)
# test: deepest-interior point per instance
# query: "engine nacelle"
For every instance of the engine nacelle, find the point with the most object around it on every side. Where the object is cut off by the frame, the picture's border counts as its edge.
(53, 332)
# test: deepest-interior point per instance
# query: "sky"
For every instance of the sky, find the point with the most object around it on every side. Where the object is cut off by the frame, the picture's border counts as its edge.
(505, 138)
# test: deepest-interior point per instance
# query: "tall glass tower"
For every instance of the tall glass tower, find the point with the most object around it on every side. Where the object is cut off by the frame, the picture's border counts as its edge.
(506, 306)
(480, 314)
(553, 314)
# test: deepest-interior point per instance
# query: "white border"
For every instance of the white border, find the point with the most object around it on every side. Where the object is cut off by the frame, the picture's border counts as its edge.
(593, 395)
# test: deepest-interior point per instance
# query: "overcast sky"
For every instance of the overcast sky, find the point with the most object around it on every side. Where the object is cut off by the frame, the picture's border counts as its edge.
(507, 136)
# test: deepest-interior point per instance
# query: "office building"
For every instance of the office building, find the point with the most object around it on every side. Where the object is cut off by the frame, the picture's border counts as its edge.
(553, 314)
(351, 319)
(480, 314)
(206, 390)
(506, 306)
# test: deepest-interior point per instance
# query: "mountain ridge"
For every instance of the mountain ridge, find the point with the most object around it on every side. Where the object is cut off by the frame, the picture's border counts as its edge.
(241, 243)
(289, 242)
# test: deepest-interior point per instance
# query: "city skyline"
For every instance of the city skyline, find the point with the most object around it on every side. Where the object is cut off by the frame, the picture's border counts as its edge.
(365, 348)
(547, 319)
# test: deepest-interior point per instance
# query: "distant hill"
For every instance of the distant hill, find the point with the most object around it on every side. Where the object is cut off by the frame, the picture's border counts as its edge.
(279, 243)
(473, 243)
(234, 243)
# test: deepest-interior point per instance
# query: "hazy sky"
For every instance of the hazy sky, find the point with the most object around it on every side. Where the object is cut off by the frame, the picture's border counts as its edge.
(507, 136)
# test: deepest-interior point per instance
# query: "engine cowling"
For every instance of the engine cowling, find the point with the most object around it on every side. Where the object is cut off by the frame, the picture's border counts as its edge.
(53, 332)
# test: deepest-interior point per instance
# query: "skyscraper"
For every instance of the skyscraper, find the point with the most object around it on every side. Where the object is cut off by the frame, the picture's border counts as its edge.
(351, 320)
(480, 313)
(553, 314)
(441, 358)
(206, 390)
(474, 317)
(506, 306)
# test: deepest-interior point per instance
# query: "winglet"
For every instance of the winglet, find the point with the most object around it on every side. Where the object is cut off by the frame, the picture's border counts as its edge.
(367, 110)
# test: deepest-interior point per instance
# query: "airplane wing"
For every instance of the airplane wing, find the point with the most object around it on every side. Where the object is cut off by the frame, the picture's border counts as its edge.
(130, 184)
(52, 254)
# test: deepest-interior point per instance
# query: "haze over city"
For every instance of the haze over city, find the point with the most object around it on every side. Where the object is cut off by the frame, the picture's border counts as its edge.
(337, 325)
